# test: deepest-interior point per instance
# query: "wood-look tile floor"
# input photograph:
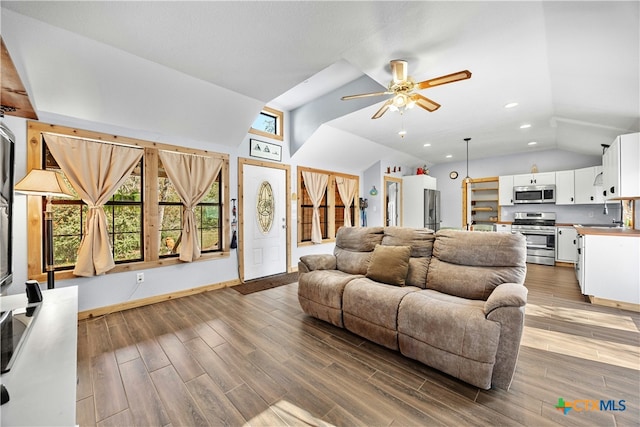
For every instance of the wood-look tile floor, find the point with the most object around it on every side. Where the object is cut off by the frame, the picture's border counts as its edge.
(221, 358)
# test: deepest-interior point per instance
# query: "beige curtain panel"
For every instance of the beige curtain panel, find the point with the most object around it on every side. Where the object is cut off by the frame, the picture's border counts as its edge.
(96, 171)
(192, 177)
(316, 184)
(347, 191)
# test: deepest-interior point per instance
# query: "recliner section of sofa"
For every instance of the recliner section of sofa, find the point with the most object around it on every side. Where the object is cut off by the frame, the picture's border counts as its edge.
(461, 310)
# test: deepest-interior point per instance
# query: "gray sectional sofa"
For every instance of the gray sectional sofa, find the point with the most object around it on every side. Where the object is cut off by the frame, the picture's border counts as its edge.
(453, 300)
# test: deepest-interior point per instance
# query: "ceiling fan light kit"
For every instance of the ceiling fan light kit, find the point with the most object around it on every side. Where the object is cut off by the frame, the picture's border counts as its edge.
(402, 88)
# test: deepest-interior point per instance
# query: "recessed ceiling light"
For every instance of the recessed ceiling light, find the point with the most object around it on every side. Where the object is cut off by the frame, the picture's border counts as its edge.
(448, 156)
(427, 145)
(402, 132)
(532, 143)
(525, 126)
(511, 105)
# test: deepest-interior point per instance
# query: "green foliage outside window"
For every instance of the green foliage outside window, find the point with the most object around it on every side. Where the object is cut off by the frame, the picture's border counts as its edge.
(124, 223)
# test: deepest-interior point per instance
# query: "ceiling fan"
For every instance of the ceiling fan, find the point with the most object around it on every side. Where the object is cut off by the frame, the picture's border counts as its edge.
(402, 88)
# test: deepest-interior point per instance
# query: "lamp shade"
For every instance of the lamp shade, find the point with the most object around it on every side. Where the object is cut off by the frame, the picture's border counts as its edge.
(44, 183)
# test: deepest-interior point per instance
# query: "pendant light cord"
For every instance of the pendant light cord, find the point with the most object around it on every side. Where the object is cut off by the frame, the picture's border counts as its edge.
(467, 140)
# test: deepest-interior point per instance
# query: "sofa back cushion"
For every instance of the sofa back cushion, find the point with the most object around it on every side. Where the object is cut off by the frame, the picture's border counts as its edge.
(421, 242)
(354, 246)
(471, 264)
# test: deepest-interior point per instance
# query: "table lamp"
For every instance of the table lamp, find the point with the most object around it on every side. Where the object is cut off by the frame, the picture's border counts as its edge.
(50, 184)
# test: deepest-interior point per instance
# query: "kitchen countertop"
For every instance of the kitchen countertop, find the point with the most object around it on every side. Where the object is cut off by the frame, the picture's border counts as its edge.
(608, 231)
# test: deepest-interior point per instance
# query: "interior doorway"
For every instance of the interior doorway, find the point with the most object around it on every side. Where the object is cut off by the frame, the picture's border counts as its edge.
(392, 201)
(264, 218)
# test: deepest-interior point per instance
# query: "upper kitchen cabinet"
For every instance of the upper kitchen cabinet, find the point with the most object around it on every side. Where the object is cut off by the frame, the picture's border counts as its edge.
(565, 188)
(545, 178)
(621, 173)
(505, 190)
(588, 188)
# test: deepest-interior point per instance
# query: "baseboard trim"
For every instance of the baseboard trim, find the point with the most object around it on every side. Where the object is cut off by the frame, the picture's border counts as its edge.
(102, 311)
(617, 304)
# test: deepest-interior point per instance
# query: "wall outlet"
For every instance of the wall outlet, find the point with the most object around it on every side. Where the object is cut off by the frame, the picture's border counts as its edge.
(139, 278)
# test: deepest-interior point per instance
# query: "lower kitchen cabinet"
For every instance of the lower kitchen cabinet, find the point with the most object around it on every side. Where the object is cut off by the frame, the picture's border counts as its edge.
(611, 268)
(566, 244)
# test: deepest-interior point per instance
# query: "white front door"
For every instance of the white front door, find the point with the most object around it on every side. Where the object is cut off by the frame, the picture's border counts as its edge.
(265, 221)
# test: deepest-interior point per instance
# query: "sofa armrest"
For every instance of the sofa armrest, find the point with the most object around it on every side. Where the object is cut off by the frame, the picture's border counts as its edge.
(506, 306)
(316, 262)
(506, 295)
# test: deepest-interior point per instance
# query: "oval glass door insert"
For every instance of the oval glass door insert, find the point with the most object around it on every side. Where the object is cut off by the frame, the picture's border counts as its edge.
(265, 207)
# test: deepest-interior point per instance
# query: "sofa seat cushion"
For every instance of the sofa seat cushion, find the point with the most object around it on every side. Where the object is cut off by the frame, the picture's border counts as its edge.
(320, 293)
(370, 309)
(449, 333)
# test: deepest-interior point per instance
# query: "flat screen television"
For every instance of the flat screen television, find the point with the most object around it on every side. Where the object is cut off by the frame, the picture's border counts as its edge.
(6, 204)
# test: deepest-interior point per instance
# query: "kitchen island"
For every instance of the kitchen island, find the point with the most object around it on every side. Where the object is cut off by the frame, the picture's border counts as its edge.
(608, 267)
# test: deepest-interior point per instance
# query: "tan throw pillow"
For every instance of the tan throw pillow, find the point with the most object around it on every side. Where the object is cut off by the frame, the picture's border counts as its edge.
(389, 264)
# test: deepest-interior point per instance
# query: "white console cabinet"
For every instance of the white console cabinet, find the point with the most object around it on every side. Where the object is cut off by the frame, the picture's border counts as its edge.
(42, 380)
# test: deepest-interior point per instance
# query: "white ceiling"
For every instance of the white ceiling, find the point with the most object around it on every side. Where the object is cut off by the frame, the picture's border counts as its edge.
(573, 67)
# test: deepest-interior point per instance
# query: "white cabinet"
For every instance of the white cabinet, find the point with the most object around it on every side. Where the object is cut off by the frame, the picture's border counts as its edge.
(611, 269)
(503, 228)
(545, 178)
(566, 244)
(621, 174)
(413, 187)
(585, 192)
(42, 382)
(505, 190)
(565, 188)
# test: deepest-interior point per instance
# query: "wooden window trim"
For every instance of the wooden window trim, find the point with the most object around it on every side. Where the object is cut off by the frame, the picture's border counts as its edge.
(279, 135)
(331, 202)
(150, 205)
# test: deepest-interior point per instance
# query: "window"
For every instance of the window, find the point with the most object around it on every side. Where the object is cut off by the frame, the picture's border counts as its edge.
(331, 208)
(124, 220)
(170, 217)
(269, 123)
(142, 216)
(306, 214)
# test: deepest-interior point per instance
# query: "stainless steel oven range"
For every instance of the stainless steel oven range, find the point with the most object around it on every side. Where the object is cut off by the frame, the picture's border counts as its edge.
(540, 230)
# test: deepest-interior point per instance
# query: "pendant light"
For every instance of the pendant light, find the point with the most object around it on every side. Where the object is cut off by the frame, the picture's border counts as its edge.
(467, 178)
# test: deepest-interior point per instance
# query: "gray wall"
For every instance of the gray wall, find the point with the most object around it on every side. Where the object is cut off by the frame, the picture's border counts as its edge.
(546, 161)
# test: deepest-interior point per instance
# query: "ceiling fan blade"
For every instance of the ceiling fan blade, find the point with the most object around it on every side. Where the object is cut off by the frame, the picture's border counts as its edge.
(424, 102)
(449, 78)
(365, 95)
(383, 109)
(399, 71)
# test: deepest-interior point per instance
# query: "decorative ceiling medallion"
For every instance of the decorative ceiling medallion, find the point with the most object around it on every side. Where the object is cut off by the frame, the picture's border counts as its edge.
(264, 207)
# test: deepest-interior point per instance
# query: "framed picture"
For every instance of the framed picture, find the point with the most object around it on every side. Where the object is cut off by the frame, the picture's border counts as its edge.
(265, 150)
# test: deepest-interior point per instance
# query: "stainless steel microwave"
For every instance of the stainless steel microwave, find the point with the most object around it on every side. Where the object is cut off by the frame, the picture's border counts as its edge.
(534, 194)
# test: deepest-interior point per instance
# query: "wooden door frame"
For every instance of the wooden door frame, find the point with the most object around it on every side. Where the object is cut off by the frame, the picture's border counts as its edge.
(242, 161)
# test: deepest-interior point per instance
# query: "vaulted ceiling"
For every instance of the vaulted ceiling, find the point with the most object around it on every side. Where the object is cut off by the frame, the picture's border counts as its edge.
(573, 67)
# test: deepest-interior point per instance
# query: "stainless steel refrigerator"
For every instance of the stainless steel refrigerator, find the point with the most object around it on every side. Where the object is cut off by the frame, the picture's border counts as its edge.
(432, 209)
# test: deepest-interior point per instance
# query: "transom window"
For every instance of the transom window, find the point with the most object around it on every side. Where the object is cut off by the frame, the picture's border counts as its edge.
(269, 123)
